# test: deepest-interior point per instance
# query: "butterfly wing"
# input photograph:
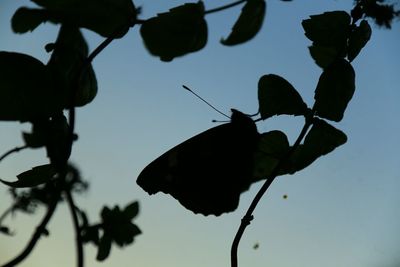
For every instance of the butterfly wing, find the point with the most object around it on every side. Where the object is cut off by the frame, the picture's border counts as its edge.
(207, 172)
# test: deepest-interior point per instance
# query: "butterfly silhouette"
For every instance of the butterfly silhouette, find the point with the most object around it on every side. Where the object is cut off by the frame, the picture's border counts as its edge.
(208, 172)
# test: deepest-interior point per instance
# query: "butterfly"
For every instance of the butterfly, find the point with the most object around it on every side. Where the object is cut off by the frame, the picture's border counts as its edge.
(208, 172)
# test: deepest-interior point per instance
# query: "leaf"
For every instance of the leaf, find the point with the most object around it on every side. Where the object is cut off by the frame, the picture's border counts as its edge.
(104, 248)
(26, 88)
(36, 176)
(117, 224)
(272, 147)
(90, 234)
(69, 54)
(323, 55)
(328, 29)
(26, 19)
(335, 89)
(5, 230)
(33, 140)
(329, 32)
(359, 37)
(322, 139)
(104, 17)
(248, 24)
(131, 210)
(178, 32)
(277, 96)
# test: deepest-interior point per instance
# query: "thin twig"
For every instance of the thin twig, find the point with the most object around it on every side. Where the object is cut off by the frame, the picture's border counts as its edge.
(5, 213)
(79, 243)
(275, 172)
(40, 229)
(14, 150)
(84, 67)
(224, 7)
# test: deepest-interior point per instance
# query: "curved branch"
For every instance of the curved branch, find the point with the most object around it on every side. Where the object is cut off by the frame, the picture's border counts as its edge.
(14, 150)
(249, 214)
(5, 213)
(79, 243)
(224, 7)
(84, 66)
(40, 229)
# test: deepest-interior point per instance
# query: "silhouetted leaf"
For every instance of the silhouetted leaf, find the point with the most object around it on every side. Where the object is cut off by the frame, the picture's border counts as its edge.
(36, 176)
(248, 24)
(131, 210)
(66, 62)
(329, 32)
(277, 96)
(180, 31)
(322, 139)
(323, 55)
(272, 147)
(5, 230)
(117, 224)
(104, 17)
(33, 140)
(335, 89)
(26, 19)
(26, 88)
(90, 234)
(104, 248)
(359, 37)
(328, 29)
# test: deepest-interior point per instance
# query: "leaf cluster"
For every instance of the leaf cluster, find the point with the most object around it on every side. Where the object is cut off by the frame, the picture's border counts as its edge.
(116, 227)
(335, 42)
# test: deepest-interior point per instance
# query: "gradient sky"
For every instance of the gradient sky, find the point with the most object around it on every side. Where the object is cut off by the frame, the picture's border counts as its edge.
(343, 211)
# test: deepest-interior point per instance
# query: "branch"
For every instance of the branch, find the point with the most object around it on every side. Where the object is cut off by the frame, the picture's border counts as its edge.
(5, 213)
(85, 65)
(248, 217)
(79, 243)
(224, 7)
(40, 229)
(14, 150)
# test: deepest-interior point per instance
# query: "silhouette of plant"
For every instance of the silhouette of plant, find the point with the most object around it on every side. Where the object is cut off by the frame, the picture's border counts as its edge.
(49, 93)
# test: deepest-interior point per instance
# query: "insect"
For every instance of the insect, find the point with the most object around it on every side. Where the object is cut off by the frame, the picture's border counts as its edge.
(208, 172)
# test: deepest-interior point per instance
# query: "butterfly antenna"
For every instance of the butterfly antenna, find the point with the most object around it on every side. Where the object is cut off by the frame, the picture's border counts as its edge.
(202, 99)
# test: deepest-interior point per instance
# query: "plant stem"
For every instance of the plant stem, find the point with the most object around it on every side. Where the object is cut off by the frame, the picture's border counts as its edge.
(40, 229)
(16, 149)
(5, 213)
(224, 7)
(79, 243)
(84, 67)
(248, 217)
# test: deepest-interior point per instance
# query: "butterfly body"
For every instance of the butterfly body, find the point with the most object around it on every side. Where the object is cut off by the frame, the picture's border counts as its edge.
(208, 172)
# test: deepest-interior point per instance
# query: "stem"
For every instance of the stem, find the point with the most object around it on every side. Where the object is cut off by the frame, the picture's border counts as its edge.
(16, 149)
(248, 217)
(79, 243)
(5, 213)
(224, 7)
(85, 65)
(40, 229)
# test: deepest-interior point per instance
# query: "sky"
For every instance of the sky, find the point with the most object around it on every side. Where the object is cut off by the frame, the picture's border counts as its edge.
(342, 211)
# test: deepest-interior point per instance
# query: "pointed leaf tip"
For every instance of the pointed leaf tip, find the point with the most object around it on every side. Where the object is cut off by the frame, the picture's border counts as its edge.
(359, 37)
(248, 24)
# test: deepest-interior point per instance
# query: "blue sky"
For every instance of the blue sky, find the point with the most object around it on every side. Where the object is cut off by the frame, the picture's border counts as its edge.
(341, 211)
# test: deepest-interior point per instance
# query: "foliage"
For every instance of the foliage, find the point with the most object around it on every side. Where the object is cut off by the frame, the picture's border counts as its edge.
(49, 91)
